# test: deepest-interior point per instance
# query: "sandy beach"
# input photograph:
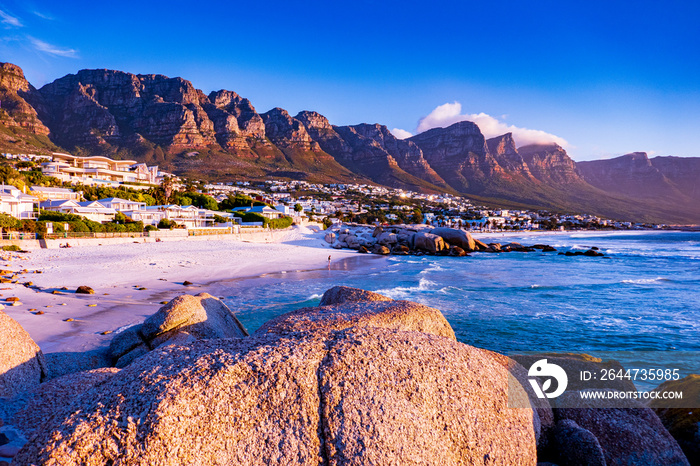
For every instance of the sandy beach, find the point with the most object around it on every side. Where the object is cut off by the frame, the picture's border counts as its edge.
(131, 280)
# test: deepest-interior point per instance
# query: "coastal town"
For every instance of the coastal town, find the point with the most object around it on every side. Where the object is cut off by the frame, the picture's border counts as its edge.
(58, 194)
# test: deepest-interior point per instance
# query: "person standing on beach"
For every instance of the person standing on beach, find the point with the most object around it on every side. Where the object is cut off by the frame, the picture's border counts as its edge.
(329, 262)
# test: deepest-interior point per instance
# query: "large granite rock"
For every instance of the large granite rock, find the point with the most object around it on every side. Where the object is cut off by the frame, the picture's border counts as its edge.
(355, 396)
(183, 319)
(343, 294)
(22, 364)
(576, 446)
(626, 435)
(63, 363)
(456, 237)
(386, 313)
(428, 242)
(682, 416)
(574, 364)
(53, 397)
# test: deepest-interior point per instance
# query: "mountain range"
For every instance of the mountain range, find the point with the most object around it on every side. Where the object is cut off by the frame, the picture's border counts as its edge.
(222, 137)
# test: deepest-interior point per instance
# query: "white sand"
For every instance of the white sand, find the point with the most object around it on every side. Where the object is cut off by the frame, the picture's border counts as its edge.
(116, 271)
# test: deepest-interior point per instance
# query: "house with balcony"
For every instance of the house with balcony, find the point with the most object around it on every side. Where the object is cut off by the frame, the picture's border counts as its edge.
(189, 216)
(44, 193)
(265, 211)
(91, 210)
(16, 203)
(99, 170)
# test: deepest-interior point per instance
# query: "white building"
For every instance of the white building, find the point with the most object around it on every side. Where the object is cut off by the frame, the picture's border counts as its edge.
(265, 211)
(91, 210)
(189, 216)
(16, 203)
(53, 194)
(99, 170)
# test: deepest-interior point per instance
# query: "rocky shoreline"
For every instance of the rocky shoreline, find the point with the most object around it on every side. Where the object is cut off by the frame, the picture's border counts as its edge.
(418, 240)
(359, 379)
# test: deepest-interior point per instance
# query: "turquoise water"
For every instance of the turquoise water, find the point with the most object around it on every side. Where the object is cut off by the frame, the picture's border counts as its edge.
(643, 296)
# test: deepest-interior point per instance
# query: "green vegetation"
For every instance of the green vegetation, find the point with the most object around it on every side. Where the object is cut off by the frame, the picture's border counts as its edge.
(239, 200)
(165, 224)
(275, 223)
(94, 193)
(193, 198)
(25, 179)
(11, 247)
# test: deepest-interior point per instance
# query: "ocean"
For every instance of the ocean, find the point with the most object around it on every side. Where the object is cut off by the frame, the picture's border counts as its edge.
(643, 296)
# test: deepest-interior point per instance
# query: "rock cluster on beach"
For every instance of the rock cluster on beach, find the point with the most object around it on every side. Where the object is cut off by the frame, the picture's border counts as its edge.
(359, 379)
(418, 240)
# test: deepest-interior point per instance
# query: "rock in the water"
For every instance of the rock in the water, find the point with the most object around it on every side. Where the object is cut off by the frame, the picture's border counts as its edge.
(456, 251)
(22, 364)
(382, 250)
(356, 396)
(85, 290)
(626, 435)
(387, 238)
(456, 237)
(373, 310)
(52, 398)
(429, 242)
(343, 294)
(576, 446)
(682, 422)
(480, 245)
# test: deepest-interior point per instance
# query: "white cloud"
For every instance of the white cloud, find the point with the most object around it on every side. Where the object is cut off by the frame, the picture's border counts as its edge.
(44, 15)
(401, 133)
(45, 47)
(10, 20)
(451, 113)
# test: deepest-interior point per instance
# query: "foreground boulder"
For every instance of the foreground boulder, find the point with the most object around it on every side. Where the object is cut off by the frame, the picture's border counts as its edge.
(682, 417)
(320, 394)
(184, 319)
(626, 435)
(574, 364)
(22, 364)
(356, 396)
(53, 397)
(576, 446)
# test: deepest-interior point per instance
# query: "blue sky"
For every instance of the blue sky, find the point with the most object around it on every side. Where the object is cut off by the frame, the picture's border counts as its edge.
(602, 78)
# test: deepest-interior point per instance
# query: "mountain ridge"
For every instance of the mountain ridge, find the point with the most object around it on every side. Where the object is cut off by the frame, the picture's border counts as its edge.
(221, 136)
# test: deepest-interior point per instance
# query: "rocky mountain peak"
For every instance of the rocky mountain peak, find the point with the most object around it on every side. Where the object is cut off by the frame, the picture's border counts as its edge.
(283, 129)
(15, 91)
(315, 121)
(550, 163)
(502, 145)
(12, 78)
(502, 148)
